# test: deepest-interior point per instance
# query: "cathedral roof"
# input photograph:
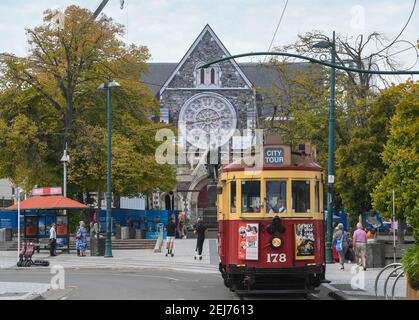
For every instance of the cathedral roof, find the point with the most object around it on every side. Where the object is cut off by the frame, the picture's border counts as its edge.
(261, 76)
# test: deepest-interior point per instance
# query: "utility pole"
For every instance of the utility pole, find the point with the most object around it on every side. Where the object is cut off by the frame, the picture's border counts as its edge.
(65, 160)
(103, 5)
(108, 243)
(394, 226)
(331, 161)
(100, 8)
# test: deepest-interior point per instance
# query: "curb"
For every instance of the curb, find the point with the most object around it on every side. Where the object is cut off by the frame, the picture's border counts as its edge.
(126, 268)
(336, 293)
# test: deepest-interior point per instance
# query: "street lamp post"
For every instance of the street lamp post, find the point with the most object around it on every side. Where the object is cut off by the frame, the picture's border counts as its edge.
(18, 190)
(65, 160)
(108, 243)
(331, 161)
(331, 143)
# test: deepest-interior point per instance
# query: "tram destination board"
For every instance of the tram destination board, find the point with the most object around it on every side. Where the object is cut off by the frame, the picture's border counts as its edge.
(275, 156)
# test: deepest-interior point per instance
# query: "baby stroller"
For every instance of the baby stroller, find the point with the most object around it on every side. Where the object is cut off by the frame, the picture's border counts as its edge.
(25, 257)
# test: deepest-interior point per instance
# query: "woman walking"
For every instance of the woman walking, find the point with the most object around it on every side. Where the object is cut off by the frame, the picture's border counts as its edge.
(340, 240)
(81, 239)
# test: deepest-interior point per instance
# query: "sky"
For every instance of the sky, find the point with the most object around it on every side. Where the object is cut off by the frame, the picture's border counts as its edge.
(169, 27)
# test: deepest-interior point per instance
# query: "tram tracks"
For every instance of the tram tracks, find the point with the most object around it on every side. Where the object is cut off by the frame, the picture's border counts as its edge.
(275, 296)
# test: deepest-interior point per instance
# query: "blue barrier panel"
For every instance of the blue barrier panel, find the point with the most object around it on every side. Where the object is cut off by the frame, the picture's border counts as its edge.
(146, 220)
(8, 220)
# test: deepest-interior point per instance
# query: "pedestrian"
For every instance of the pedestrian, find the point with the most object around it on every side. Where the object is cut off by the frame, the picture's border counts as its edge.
(52, 240)
(171, 235)
(200, 229)
(340, 240)
(81, 239)
(181, 225)
(359, 242)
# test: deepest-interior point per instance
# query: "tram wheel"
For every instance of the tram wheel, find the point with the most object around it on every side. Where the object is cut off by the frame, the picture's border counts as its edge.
(227, 282)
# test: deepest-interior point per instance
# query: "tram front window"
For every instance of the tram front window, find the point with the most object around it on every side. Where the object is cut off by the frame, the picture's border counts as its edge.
(276, 196)
(301, 196)
(251, 196)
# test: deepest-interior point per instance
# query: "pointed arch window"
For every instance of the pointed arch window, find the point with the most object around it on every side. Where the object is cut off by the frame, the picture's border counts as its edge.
(207, 78)
(212, 76)
(202, 77)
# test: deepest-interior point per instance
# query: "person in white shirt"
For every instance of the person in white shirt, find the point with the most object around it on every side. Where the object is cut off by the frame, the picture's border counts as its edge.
(52, 240)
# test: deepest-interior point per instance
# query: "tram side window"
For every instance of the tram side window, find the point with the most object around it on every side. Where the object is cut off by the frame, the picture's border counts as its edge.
(301, 196)
(317, 195)
(276, 196)
(251, 196)
(233, 202)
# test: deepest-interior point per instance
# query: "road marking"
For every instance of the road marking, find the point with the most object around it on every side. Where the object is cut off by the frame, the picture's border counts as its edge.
(133, 275)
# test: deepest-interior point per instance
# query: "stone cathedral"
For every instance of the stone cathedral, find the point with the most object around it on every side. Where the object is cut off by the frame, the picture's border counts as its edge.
(222, 98)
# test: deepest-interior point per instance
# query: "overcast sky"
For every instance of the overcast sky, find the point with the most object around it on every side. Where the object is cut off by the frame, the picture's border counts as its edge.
(168, 27)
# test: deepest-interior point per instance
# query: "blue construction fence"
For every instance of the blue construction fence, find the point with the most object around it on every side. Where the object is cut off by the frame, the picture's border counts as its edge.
(341, 217)
(146, 220)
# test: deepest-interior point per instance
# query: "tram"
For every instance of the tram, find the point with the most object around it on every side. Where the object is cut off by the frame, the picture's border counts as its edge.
(271, 222)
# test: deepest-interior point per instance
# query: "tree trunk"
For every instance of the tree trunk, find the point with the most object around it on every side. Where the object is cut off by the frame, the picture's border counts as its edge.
(99, 196)
(117, 202)
(400, 230)
(147, 204)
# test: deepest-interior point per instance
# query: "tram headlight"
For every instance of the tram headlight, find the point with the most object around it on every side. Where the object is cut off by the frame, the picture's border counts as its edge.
(276, 243)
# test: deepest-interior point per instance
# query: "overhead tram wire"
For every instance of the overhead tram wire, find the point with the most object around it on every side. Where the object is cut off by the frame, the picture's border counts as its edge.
(398, 36)
(277, 27)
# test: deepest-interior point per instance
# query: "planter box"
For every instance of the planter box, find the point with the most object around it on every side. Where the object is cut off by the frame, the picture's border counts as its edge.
(411, 293)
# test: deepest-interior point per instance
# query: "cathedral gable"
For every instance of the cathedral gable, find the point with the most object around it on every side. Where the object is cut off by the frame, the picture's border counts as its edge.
(206, 48)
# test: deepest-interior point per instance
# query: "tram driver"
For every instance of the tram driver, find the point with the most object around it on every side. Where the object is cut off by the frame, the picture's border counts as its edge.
(279, 207)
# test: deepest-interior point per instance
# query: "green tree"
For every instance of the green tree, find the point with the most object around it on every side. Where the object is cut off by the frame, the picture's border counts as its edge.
(301, 96)
(401, 155)
(359, 161)
(51, 98)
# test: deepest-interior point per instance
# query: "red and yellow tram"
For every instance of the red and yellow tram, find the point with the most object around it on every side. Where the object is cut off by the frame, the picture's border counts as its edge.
(271, 223)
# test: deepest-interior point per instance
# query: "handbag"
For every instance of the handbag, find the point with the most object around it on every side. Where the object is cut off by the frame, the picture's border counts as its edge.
(339, 242)
(78, 234)
(339, 245)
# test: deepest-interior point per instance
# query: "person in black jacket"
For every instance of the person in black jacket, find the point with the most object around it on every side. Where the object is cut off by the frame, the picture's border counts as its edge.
(171, 234)
(200, 229)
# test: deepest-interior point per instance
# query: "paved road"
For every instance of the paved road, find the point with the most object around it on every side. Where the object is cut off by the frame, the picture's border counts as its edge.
(146, 284)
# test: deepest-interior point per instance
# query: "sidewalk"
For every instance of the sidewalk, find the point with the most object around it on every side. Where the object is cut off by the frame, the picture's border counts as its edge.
(341, 282)
(21, 291)
(184, 251)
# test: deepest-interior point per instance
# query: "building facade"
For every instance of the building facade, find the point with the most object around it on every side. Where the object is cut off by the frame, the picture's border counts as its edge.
(6, 193)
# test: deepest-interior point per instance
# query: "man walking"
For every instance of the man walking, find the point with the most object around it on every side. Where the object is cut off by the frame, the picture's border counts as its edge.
(52, 240)
(359, 242)
(171, 235)
(200, 229)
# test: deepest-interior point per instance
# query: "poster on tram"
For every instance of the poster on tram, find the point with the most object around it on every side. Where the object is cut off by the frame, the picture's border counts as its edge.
(304, 241)
(249, 241)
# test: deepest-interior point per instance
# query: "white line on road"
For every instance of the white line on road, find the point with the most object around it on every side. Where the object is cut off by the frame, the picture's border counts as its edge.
(132, 275)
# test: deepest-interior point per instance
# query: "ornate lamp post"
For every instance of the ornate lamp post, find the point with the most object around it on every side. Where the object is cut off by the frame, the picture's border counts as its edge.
(331, 159)
(65, 160)
(108, 243)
